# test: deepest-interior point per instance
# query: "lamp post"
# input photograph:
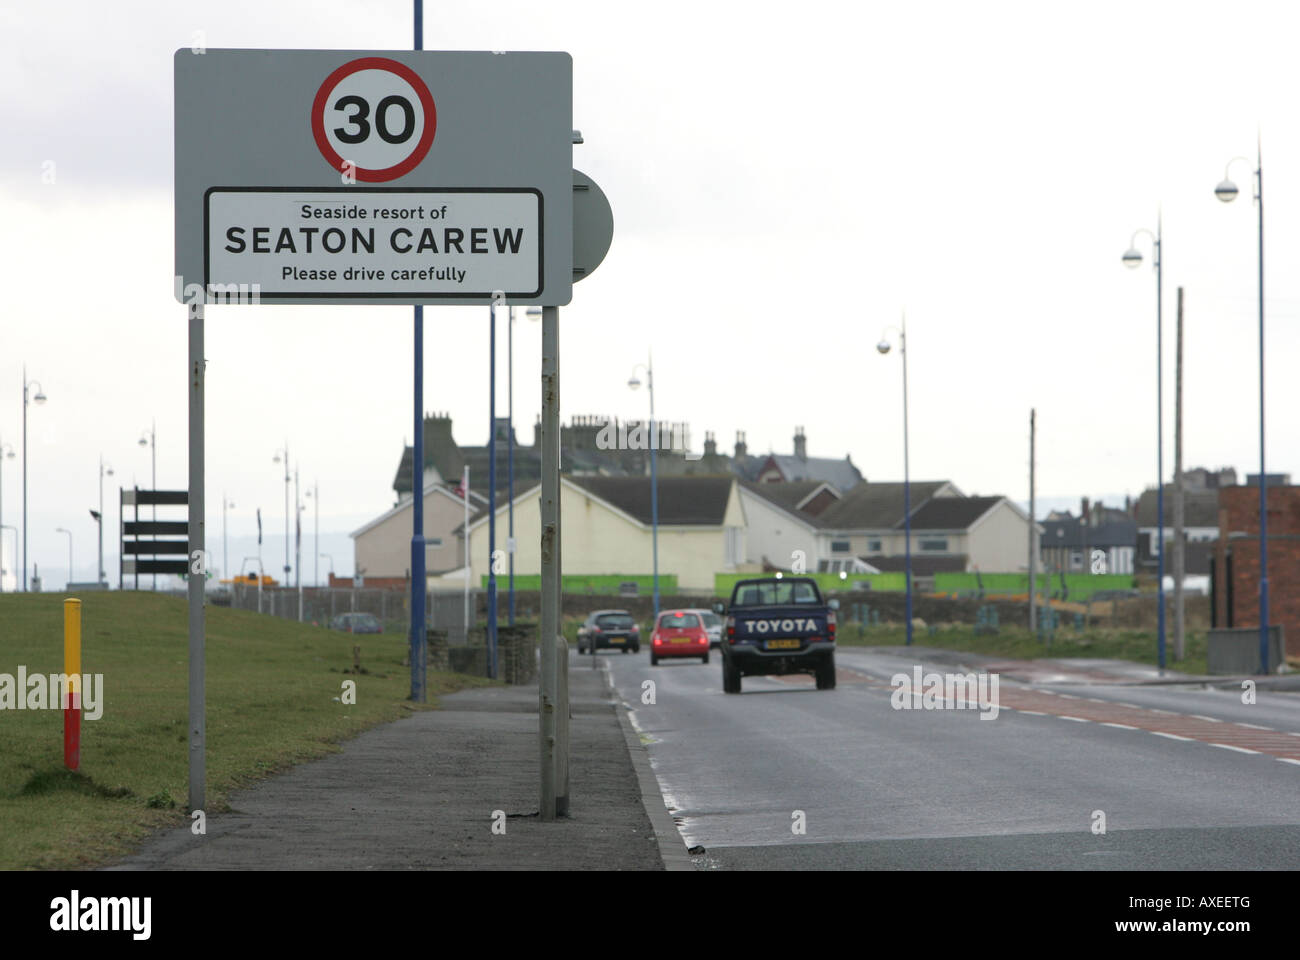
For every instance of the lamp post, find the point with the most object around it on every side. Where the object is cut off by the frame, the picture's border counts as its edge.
(69, 533)
(1227, 192)
(534, 314)
(3, 528)
(149, 438)
(884, 346)
(314, 496)
(633, 382)
(38, 398)
(227, 504)
(283, 454)
(99, 518)
(10, 454)
(1131, 259)
(297, 541)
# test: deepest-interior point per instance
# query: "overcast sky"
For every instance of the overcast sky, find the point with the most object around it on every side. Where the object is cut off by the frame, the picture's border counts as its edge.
(785, 180)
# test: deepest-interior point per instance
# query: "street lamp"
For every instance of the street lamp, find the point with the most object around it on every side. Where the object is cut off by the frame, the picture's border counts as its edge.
(283, 454)
(1226, 191)
(38, 398)
(149, 438)
(884, 347)
(1132, 258)
(10, 454)
(69, 533)
(227, 504)
(99, 517)
(534, 314)
(634, 383)
(314, 495)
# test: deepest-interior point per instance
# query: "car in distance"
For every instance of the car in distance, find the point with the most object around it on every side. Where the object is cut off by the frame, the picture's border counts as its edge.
(679, 633)
(712, 624)
(778, 625)
(357, 623)
(615, 629)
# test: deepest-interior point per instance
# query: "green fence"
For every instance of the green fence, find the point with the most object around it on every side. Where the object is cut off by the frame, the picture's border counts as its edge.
(598, 584)
(826, 582)
(1080, 585)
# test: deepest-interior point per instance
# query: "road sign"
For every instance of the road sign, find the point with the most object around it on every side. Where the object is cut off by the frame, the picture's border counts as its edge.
(593, 225)
(334, 176)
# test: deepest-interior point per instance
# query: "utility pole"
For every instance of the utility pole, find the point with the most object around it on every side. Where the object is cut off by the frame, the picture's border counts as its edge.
(1033, 551)
(1179, 544)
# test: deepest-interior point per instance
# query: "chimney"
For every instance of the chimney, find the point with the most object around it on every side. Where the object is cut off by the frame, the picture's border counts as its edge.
(800, 444)
(537, 433)
(1087, 520)
(710, 444)
(741, 450)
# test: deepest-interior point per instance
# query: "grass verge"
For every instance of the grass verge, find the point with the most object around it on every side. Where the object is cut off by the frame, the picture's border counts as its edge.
(273, 699)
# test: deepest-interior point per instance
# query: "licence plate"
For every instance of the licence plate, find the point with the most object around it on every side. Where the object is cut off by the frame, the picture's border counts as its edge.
(679, 639)
(783, 644)
(617, 639)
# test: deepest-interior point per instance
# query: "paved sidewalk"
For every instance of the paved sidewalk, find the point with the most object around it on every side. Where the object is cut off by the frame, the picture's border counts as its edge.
(420, 793)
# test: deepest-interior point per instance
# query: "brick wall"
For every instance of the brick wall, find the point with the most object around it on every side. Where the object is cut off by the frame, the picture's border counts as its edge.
(1237, 593)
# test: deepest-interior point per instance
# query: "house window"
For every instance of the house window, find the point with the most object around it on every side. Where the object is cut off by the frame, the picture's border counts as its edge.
(841, 546)
(933, 544)
(874, 546)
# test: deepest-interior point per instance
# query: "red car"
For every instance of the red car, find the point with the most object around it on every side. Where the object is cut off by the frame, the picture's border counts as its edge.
(679, 633)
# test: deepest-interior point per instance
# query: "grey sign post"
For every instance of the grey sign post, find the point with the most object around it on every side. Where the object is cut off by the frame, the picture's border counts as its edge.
(366, 177)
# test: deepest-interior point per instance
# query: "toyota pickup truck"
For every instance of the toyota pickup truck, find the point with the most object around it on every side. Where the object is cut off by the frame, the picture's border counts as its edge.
(777, 625)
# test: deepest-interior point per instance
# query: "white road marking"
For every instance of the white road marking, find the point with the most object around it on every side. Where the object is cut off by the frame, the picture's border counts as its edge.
(1228, 746)
(1119, 726)
(1076, 719)
(1288, 760)
(1253, 726)
(1171, 736)
(1201, 716)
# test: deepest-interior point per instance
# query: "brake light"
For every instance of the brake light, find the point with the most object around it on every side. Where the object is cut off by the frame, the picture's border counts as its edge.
(657, 641)
(830, 625)
(731, 629)
(636, 628)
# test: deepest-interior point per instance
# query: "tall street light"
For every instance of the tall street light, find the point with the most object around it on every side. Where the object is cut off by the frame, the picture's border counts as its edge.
(314, 496)
(69, 533)
(534, 314)
(38, 398)
(1227, 192)
(1131, 259)
(884, 346)
(149, 438)
(99, 517)
(227, 504)
(283, 454)
(633, 382)
(10, 454)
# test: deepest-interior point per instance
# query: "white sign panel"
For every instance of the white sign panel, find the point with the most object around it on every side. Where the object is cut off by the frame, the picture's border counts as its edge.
(385, 177)
(367, 243)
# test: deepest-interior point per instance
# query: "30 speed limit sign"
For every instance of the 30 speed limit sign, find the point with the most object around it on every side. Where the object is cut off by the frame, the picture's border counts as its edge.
(374, 118)
(374, 176)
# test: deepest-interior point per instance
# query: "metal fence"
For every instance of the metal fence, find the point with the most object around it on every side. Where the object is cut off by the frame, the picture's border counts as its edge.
(319, 605)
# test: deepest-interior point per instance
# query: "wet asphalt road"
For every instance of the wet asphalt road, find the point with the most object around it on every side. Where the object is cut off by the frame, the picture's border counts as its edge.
(876, 787)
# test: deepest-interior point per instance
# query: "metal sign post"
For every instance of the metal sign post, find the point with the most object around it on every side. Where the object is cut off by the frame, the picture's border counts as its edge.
(197, 580)
(550, 492)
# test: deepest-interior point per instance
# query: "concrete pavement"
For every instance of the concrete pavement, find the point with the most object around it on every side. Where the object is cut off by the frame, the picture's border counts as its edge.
(423, 793)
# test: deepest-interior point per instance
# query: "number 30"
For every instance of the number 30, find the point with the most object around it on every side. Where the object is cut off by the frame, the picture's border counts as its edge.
(362, 123)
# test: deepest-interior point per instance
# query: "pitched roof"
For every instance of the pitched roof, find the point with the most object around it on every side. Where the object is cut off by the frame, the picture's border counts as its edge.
(785, 495)
(1200, 507)
(922, 566)
(951, 513)
(876, 506)
(1069, 533)
(841, 474)
(685, 500)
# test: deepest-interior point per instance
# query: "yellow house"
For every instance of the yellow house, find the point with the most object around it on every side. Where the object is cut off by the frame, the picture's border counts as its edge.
(605, 528)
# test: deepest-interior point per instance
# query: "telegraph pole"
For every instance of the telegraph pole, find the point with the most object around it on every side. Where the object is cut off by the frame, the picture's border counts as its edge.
(1033, 552)
(1179, 545)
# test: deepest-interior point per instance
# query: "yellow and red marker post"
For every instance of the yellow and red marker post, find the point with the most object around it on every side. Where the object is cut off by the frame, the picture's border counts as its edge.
(72, 670)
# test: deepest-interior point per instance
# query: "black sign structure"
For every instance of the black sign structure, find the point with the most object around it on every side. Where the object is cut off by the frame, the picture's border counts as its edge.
(150, 546)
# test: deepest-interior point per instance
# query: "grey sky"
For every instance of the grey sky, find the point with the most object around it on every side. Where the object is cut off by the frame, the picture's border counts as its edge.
(785, 180)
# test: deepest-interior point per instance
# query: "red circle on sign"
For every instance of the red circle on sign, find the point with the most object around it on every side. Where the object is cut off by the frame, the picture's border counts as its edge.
(426, 102)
